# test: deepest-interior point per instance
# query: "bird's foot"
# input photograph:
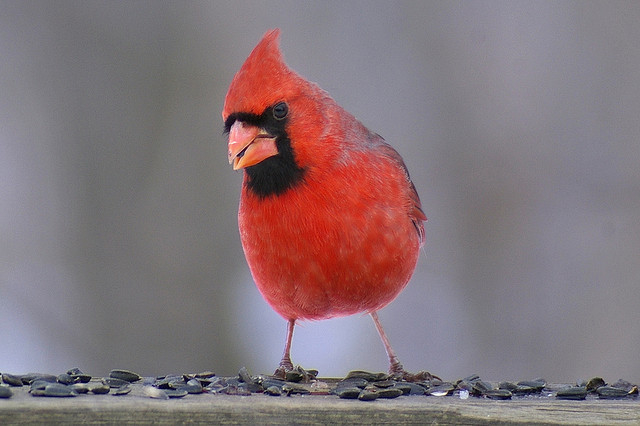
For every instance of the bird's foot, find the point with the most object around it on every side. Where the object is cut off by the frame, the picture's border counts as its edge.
(295, 374)
(285, 366)
(420, 376)
(397, 371)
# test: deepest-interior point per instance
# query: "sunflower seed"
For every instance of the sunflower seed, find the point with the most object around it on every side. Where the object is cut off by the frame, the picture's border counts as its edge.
(608, 392)
(28, 378)
(595, 383)
(65, 379)
(115, 383)
(410, 388)
(623, 384)
(193, 386)
(481, 387)
(80, 387)
(126, 375)
(244, 375)
(368, 376)
(5, 391)
(49, 378)
(508, 386)
(573, 393)
(389, 392)
(267, 382)
(38, 385)
(292, 389)
(498, 394)
(12, 380)
(441, 390)
(384, 383)
(368, 394)
(273, 391)
(59, 390)
(81, 378)
(531, 386)
(294, 376)
(122, 390)
(155, 393)
(176, 393)
(348, 392)
(100, 388)
(205, 375)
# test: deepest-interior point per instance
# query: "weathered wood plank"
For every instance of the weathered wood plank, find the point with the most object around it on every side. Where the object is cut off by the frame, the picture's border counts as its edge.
(137, 408)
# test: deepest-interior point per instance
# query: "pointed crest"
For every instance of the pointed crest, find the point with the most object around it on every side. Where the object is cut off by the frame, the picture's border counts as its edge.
(263, 79)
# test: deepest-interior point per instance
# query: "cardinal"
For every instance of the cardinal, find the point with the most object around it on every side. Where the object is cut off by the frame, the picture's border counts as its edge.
(330, 222)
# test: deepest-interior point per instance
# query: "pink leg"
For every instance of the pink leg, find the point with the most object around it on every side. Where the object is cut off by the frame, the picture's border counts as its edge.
(395, 368)
(285, 363)
(394, 365)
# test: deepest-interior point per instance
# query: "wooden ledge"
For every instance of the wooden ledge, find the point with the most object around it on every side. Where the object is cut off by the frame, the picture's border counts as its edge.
(138, 408)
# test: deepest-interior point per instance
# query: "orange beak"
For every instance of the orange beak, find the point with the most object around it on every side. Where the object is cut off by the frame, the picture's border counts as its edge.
(249, 145)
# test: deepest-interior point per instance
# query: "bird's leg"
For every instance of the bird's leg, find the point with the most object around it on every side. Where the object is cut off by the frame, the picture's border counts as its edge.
(285, 363)
(394, 364)
(395, 368)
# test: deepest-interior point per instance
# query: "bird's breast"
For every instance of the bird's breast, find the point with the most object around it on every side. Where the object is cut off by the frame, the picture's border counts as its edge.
(326, 252)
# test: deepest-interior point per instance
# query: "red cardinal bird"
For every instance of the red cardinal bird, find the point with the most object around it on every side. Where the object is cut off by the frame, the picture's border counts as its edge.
(330, 222)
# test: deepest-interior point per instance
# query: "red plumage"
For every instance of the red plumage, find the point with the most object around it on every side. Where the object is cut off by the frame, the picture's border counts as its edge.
(330, 223)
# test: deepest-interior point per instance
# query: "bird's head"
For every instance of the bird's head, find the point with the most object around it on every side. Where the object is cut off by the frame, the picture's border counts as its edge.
(274, 118)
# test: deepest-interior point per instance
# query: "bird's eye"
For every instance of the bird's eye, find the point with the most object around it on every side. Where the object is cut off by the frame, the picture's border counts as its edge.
(280, 110)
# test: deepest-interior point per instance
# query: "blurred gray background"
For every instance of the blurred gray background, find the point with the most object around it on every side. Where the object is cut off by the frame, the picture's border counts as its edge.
(519, 122)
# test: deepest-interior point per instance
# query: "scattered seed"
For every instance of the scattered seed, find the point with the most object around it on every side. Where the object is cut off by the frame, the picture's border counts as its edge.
(384, 383)
(266, 382)
(481, 387)
(49, 378)
(122, 390)
(411, 388)
(80, 387)
(389, 392)
(65, 379)
(28, 378)
(81, 378)
(507, 385)
(205, 375)
(292, 389)
(100, 388)
(368, 376)
(38, 385)
(126, 375)
(572, 393)
(348, 392)
(176, 393)
(193, 386)
(441, 390)
(155, 393)
(236, 390)
(609, 392)
(57, 390)
(368, 394)
(5, 391)
(498, 394)
(623, 384)
(530, 386)
(244, 375)
(273, 391)
(293, 376)
(11, 379)
(595, 383)
(115, 383)
(358, 382)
